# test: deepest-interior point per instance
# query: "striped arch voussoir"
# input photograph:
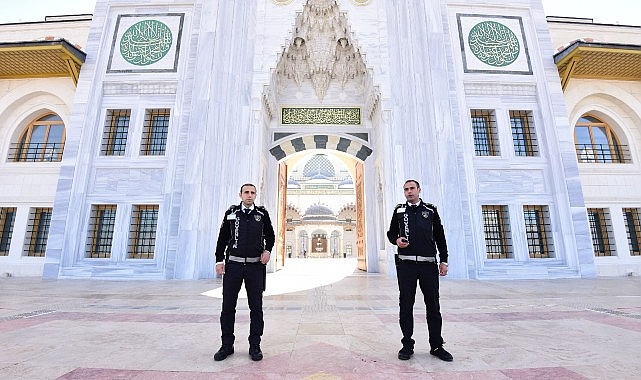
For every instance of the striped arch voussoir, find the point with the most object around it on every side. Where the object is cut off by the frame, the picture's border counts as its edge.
(332, 142)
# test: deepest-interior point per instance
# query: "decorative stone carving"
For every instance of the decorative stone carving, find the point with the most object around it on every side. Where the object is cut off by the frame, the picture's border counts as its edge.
(296, 64)
(321, 50)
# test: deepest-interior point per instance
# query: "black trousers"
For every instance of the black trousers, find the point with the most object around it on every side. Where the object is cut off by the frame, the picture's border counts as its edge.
(426, 273)
(235, 273)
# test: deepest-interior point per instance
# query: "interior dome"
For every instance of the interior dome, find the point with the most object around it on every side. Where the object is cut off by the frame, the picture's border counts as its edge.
(319, 212)
(319, 166)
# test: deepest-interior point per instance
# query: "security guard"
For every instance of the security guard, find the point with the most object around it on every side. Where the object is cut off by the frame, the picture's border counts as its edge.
(417, 231)
(247, 237)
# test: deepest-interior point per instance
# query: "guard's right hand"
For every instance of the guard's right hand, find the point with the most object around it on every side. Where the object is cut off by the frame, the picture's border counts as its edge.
(402, 242)
(220, 269)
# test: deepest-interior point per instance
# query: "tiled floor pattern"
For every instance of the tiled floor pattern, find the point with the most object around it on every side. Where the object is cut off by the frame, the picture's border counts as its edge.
(535, 329)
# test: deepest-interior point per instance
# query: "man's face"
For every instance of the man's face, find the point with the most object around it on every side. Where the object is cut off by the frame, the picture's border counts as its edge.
(411, 192)
(248, 195)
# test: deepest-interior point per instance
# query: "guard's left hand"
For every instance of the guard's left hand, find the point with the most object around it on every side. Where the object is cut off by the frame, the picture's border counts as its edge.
(264, 257)
(442, 269)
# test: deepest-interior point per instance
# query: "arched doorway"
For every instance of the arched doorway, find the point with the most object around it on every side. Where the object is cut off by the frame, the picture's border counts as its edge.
(321, 199)
(319, 244)
(319, 206)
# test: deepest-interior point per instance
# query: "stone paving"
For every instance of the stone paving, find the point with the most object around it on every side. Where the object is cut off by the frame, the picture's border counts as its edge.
(324, 320)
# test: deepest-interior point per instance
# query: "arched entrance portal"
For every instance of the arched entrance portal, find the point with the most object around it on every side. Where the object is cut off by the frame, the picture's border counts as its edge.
(324, 215)
(321, 98)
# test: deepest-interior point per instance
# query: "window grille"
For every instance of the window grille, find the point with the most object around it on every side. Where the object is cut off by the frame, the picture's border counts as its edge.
(7, 218)
(154, 138)
(484, 131)
(601, 231)
(632, 218)
(101, 231)
(142, 232)
(537, 231)
(596, 142)
(496, 226)
(603, 153)
(37, 232)
(114, 137)
(523, 133)
(42, 141)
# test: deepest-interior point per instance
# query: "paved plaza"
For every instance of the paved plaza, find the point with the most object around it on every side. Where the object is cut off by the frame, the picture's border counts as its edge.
(323, 320)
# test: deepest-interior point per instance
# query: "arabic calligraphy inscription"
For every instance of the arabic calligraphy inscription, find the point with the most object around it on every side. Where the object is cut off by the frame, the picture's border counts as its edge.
(336, 116)
(146, 42)
(493, 43)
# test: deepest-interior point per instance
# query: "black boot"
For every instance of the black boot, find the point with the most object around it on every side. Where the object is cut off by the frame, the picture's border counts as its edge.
(255, 352)
(440, 353)
(406, 353)
(224, 352)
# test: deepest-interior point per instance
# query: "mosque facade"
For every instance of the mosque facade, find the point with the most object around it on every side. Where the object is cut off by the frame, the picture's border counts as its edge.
(126, 134)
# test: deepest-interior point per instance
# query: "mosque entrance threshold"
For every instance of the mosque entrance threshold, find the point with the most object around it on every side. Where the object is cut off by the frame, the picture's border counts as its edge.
(319, 212)
(301, 274)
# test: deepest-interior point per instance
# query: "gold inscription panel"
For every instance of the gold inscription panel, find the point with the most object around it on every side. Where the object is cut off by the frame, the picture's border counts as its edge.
(325, 115)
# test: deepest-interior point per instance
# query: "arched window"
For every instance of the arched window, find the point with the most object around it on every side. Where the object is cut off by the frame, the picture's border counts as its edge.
(597, 142)
(42, 140)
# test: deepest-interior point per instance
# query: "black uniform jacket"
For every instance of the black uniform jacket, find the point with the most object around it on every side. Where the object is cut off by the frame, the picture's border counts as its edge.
(245, 235)
(422, 227)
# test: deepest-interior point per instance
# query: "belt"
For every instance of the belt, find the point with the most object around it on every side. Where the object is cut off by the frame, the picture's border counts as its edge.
(429, 259)
(239, 259)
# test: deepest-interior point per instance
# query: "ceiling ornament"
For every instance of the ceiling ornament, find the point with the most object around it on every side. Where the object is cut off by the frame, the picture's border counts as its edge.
(321, 50)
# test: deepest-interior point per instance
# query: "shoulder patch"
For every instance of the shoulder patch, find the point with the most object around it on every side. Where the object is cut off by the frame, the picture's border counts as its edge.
(400, 208)
(430, 206)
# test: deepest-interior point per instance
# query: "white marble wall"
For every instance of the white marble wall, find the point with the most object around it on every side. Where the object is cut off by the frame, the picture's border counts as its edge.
(618, 103)
(220, 138)
(87, 178)
(612, 186)
(26, 185)
(442, 156)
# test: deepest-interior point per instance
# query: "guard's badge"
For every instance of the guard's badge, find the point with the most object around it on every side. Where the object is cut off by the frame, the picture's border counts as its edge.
(400, 210)
(231, 216)
(425, 214)
(258, 217)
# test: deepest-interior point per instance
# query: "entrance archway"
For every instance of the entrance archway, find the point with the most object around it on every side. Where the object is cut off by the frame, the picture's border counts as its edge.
(321, 97)
(330, 228)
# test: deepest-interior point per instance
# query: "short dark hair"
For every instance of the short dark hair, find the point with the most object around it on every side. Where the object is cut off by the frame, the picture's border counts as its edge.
(247, 184)
(412, 180)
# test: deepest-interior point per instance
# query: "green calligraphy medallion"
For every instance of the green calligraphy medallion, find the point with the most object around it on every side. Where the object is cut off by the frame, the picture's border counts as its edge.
(493, 43)
(145, 42)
